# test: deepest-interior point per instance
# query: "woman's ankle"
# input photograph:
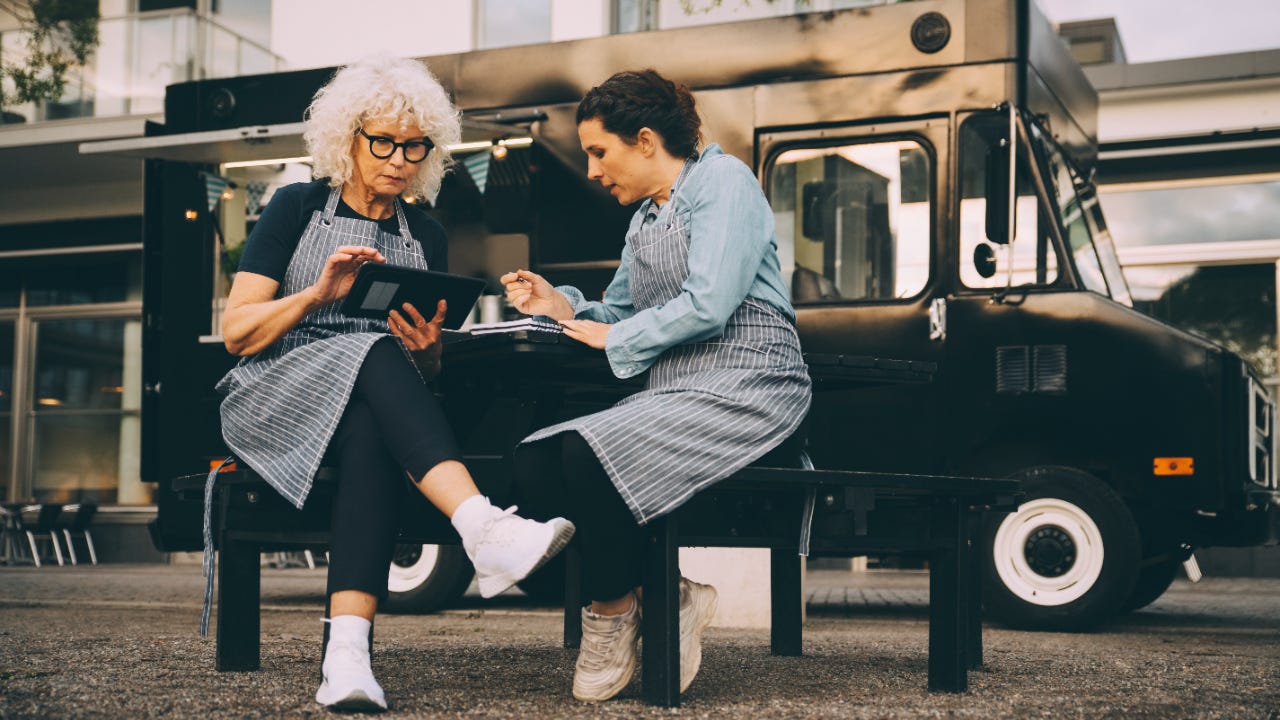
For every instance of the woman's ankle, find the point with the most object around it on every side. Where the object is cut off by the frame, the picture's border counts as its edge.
(621, 606)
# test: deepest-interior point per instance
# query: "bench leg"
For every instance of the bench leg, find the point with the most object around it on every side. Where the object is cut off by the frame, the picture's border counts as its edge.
(239, 597)
(972, 559)
(786, 624)
(660, 578)
(948, 611)
(572, 596)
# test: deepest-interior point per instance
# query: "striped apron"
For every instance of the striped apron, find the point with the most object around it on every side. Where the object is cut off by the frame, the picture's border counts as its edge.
(708, 409)
(283, 404)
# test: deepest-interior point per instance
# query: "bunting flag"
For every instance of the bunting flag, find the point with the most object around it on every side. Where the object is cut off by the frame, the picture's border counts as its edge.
(253, 197)
(214, 185)
(478, 167)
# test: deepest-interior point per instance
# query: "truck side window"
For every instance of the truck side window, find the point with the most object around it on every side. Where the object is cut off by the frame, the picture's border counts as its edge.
(1034, 256)
(853, 221)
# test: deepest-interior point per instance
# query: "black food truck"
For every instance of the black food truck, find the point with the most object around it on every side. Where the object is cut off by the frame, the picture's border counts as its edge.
(930, 168)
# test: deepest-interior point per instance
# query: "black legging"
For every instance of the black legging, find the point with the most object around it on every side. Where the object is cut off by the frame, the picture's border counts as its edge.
(562, 476)
(393, 429)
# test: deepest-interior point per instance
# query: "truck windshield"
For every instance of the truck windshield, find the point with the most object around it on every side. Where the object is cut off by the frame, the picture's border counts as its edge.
(1082, 225)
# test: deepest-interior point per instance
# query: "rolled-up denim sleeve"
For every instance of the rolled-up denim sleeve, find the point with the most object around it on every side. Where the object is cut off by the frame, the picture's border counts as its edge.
(730, 227)
(616, 304)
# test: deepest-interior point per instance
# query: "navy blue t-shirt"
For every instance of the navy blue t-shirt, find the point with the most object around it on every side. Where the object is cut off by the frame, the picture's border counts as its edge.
(271, 243)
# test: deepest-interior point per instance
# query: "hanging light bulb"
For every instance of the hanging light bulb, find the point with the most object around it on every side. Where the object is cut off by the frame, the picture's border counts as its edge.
(499, 150)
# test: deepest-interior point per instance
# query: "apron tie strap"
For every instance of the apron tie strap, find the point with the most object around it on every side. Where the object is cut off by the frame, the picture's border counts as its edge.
(208, 563)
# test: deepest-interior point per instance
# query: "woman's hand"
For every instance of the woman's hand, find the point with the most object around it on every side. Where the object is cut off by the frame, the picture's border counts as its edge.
(531, 294)
(420, 335)
(587, 332)
(340, 271)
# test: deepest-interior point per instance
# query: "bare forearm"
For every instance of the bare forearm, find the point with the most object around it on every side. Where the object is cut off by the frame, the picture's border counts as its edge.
(249, 328)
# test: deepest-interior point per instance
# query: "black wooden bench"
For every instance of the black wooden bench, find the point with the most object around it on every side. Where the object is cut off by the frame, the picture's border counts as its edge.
(779, 503)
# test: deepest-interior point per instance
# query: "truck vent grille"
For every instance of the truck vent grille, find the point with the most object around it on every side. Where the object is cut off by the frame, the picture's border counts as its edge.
(1023, 369)
(1051, 368)
(1013, 374)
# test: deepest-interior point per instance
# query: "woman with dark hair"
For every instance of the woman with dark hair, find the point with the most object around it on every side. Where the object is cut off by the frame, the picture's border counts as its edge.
(699, 303)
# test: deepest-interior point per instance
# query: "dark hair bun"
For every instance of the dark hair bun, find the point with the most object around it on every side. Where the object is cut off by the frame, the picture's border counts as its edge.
(631, 100)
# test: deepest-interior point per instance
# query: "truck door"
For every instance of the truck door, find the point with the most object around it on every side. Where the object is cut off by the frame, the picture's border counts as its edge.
(857, 211)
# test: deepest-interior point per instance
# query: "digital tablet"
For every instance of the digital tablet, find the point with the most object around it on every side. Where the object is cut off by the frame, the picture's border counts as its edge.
(380, 288)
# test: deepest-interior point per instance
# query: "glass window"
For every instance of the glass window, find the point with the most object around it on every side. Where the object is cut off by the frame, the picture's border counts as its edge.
(1106, 248)
(634, 15)
(1071, 213)
(113, 277)
(6, 406)
(853, 221)
(513, 22)
(1202, 210)
(85, 411)
(1233, 305)
(1032, 255)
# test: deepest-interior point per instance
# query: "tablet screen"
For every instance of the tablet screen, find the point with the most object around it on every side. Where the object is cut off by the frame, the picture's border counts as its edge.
(380, 288)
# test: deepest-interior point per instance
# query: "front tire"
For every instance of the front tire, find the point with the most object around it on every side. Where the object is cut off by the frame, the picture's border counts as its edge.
(1153, 581)
(426, 578)
(1066, 559)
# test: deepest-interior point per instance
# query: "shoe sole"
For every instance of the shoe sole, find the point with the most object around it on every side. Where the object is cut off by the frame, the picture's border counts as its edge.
(704, 617)
(612, 690)
(493, 585)
(357, 701)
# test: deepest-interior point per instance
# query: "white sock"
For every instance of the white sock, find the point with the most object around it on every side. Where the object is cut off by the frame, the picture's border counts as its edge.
(469, 520)
(350, 630)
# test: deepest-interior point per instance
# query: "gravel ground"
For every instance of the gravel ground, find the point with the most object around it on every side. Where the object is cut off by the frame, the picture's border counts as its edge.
(120, 642)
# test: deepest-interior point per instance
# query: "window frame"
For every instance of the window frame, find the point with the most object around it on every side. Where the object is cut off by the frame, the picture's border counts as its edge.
(819, 139)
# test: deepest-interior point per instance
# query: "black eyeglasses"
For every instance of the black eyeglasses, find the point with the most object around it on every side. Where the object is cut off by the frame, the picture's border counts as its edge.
(415, 151)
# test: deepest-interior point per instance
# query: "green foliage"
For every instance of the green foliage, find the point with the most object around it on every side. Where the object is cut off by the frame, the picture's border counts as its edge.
(61, 35)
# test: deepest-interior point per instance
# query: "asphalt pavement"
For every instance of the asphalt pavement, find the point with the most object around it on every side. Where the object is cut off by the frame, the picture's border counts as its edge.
(120, 641)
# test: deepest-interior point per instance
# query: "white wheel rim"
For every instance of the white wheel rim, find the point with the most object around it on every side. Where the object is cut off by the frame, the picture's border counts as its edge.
(404, 578)
(1011, 561)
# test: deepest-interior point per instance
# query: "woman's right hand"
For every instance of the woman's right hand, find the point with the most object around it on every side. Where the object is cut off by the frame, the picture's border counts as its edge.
(339, 272)
(531, 294)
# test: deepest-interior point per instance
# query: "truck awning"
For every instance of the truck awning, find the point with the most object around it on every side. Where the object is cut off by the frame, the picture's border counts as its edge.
(261, 142)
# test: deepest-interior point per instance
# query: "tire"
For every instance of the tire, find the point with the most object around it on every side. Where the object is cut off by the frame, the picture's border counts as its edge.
(547, 584)
(1066, 559)
(1153, 581)
(426, 578)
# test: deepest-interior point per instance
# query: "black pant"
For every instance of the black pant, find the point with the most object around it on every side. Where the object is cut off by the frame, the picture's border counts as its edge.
(392, 430)
(562, 476)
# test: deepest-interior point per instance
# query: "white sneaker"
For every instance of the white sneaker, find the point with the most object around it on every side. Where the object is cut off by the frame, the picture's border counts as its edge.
(348, 684)
(607, 654)
(512, 547)
(697, 608)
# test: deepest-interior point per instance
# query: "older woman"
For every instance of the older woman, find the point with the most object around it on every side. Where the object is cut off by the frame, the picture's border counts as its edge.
(314, 383)
(698, 302)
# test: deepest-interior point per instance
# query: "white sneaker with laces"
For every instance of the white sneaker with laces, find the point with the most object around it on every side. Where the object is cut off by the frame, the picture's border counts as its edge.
(607, 654)
(349, 685)
(511, 547)
(697, 609)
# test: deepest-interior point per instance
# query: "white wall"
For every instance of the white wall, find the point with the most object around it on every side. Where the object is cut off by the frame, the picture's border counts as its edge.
(319, 33)
(1191, 109)
(573, 19)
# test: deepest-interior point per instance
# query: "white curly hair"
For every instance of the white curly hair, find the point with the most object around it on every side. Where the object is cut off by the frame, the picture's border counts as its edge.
(383, 88)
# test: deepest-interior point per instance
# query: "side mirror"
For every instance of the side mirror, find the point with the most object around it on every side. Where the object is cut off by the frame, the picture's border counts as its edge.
(997, 193)
(984, 260)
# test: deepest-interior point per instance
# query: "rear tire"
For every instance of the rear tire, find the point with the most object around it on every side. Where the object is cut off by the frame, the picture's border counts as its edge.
(1066, 559)
(426, 578)
(1153, 581)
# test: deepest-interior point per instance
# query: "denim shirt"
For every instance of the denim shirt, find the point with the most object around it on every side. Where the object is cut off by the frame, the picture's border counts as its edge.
(733, 253)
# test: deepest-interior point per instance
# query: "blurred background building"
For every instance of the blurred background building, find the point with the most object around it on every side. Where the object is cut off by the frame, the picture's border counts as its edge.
(1189, 128)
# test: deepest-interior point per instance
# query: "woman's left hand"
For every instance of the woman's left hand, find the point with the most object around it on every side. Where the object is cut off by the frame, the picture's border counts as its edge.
(420, 335)
(587, 332)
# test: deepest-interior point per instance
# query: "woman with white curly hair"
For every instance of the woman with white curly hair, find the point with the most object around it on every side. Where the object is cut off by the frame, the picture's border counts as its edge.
(313, 383)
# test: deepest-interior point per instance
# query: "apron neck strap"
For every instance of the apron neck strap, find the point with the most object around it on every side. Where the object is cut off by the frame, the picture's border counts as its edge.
(404, 222)
(331, 206)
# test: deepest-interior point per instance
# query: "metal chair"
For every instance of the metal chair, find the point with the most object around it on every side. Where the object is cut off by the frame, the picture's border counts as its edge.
(9, 543)
(76, 519)
(37, 522)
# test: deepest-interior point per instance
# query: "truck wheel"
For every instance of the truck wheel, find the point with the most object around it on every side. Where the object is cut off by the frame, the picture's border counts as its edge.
(1066, 559)
(426, 578)
(1153, 581)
